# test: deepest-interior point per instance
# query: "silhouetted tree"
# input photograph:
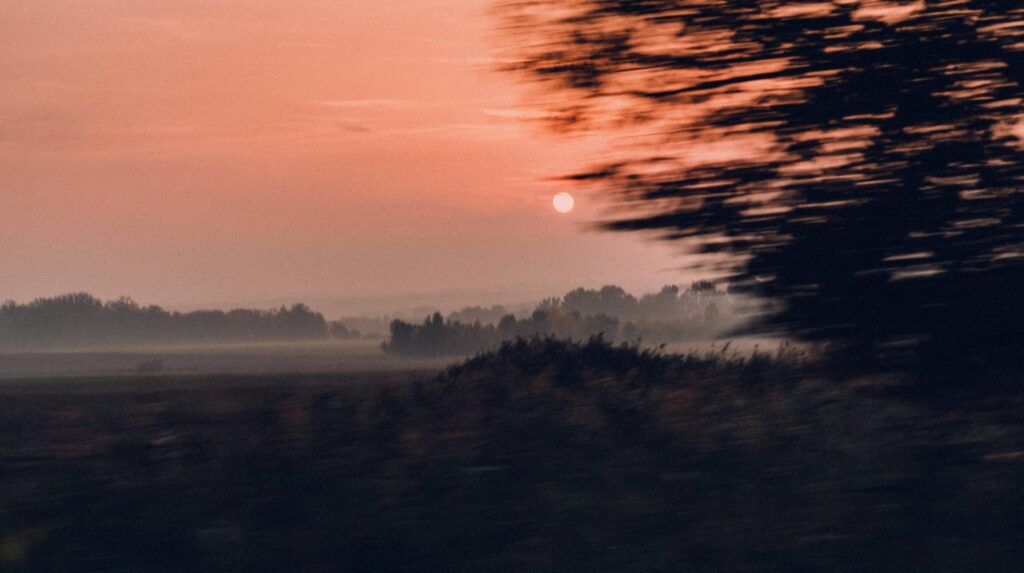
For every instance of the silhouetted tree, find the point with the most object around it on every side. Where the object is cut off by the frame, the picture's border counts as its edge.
(666, 316)
(857, 164)
(478, 313)
(80, 320)
(703, 287)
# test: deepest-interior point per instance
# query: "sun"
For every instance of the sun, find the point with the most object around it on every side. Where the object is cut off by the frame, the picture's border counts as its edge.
(563, 202)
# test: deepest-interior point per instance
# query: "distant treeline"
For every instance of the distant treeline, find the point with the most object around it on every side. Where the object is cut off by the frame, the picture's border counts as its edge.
(671, 315)
(82, 321)
(380, 326)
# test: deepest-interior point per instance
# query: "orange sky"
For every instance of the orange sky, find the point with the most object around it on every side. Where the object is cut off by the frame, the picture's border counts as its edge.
(194, 151)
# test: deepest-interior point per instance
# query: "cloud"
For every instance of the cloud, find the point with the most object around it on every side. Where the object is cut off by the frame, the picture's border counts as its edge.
(353, 127)
(521, 114)
(365, 103)
(478, 61)
(391, 103)
(472, 130)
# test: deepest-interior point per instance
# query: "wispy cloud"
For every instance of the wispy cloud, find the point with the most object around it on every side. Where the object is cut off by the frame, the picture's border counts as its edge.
(479, 61)
(476, 131)
(352, 127)
(515, 113)
(392, 103)
(365, 103)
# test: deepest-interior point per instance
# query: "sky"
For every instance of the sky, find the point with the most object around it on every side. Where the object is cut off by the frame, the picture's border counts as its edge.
(220, 152)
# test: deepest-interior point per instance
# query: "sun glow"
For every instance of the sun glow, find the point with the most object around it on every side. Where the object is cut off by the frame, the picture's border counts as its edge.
(563, 202)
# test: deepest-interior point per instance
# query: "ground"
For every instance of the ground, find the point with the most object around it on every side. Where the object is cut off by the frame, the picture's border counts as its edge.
(545, 456)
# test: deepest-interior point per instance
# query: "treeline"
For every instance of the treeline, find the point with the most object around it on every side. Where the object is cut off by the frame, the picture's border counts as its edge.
(671, 315)
(379, 326)
(81, 320)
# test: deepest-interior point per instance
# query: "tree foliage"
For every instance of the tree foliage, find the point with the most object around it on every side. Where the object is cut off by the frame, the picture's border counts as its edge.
(610, 312)
(80, 320)
(856, 163)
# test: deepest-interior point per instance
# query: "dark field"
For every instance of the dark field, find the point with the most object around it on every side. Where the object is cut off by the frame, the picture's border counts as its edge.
(546, 456)
(307, 357)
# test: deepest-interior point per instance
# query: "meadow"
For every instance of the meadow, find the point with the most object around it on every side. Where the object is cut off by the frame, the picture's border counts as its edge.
(542, 456)
(302, 357)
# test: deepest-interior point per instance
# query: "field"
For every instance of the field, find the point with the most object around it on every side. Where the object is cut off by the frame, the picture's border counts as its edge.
(345, 356)
(545, 456)
(124, 366)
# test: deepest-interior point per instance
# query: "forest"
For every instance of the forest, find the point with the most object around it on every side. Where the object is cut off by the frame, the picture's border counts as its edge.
(81, 320)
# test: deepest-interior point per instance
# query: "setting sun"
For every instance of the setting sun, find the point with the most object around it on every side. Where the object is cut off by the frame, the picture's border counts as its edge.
(563, 202)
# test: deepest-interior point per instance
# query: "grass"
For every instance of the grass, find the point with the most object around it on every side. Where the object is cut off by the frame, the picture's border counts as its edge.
(341, 356)
(542, 456)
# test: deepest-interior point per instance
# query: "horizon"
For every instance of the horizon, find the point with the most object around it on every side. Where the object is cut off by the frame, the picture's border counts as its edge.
(394, 305)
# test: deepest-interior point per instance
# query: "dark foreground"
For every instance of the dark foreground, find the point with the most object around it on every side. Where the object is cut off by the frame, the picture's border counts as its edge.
(544, 457)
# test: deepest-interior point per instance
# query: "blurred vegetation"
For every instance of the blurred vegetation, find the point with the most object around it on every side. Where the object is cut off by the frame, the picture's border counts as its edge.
(858, 165)
(542, 456)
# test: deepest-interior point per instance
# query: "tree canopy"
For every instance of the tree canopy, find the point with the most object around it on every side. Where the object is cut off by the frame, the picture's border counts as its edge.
(80, 320)
(856, 163)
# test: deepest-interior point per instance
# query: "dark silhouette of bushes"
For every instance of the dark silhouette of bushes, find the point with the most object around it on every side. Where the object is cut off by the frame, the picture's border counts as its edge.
(670, 315)
(341, 331)
(669, 304)
(568, 359)
(82, 321)
(480, 314)
(436, 337)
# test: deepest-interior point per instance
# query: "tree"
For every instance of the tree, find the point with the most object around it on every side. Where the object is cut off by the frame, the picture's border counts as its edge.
(854, 163)
(80, 320)
(703, 287)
